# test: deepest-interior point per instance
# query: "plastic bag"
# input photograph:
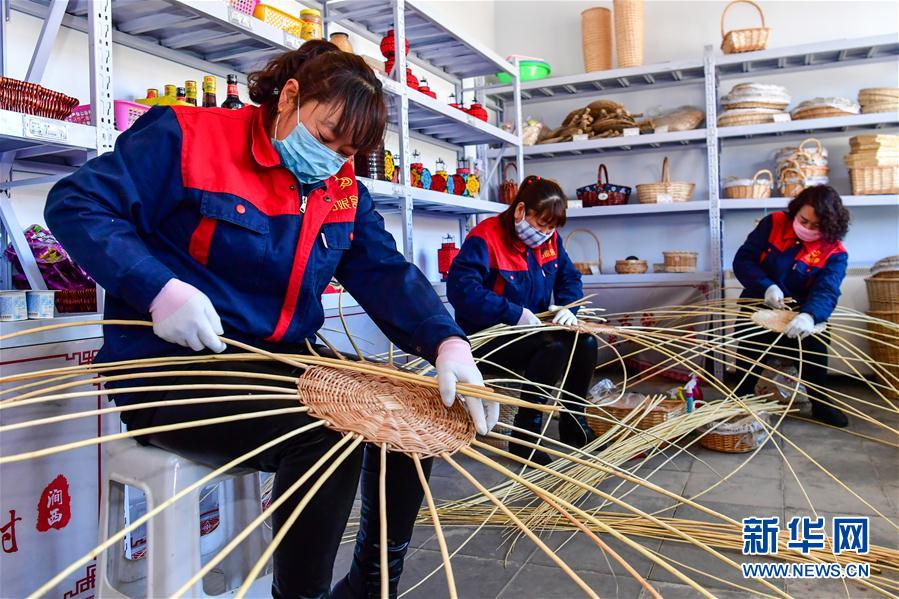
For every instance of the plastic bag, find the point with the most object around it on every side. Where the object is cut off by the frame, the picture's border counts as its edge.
(56, 266)
(531, 131)
(604, 390)
(781, 385)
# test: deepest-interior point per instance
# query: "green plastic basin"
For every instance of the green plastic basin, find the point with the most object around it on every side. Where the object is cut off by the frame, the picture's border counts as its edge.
(529, 70)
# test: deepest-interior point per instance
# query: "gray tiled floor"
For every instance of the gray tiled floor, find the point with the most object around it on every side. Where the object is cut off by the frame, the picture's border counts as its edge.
(765, 486)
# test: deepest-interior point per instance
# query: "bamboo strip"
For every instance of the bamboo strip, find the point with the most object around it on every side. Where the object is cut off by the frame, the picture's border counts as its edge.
(438, 530)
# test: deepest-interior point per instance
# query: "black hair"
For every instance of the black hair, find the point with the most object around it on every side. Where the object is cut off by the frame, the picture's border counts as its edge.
(542, 197)
(326, 74)
(833, 218)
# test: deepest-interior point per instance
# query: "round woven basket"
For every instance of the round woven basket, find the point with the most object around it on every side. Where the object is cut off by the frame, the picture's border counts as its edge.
(883, 293)
(818, 112)
(777, 320)
(588, 267)
(730, 119)
(670, 191)
(756, 189)
(596, 39)
(631, 267)
(738, 434)
(744, 40)
(629, 31)
(754, 104)
(885, 353)
(665, 410)
(885, 106)
(680, 261)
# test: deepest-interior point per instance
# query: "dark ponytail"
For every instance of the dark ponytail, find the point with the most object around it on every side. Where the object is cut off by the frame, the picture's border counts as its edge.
(540, 196)
(327, 75)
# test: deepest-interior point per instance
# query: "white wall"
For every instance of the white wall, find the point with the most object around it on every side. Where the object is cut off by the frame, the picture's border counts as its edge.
(679, 31)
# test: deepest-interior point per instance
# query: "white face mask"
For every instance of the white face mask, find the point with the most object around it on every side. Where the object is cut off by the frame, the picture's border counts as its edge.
(530, 235)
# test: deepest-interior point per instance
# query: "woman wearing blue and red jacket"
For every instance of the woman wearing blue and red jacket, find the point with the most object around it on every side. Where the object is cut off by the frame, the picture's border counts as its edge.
(797, 254)
(514, 266)
(213, 221)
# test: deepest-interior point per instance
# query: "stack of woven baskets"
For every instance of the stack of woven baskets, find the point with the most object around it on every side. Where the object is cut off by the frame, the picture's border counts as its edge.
(879, 99)
(873, 163)
(753, 104)
(883, 299)
(819, 108)
(802, 166)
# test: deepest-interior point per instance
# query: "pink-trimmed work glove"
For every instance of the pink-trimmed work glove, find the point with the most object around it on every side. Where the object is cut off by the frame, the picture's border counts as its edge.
(183, 314)
(455, 364)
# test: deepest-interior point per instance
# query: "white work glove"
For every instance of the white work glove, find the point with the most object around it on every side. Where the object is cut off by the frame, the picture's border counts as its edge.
(563, 316)
(527, 317)
(801, 326)
(774, 297)
(183, 314)
(455, 364)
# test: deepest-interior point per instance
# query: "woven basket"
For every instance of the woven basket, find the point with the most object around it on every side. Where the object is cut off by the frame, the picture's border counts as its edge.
(874, 180)
(629, 30)
(587, 268)
(738, 434)
(808, 171)
(596, 39)
(745, 118)
(755, 190)
(883, 293)
(631, 267)
(680, 261)
(818, 112)
(744, 40)
(744, 105)
(878, 94)
(887, 355)
(790, 187)
(677, 191)
(777, 320)
(621, 409)
(888, 106)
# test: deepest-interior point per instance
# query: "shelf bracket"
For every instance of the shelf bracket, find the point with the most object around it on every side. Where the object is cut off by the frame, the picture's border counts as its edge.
(99, 32)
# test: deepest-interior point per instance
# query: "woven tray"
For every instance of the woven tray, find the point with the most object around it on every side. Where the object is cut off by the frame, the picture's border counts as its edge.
(621, 409)
(680, 261)
(756, 104)
(777, 320)
(745, 118)
(887, 106)
(735, 435)
(31, 98)
(819, 112)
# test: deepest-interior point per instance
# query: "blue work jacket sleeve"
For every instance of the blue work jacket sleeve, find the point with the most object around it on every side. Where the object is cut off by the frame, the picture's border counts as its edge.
(395, 294)
(747, 261)
(825, 292)
(467, 291)
(100, 212)
(568, 287)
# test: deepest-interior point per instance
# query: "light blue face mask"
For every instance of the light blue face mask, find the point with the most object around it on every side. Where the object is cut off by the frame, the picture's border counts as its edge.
(306, 157)
(530, 235)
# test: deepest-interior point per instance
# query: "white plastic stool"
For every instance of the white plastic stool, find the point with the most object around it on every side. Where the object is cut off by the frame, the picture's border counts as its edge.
(173, 535)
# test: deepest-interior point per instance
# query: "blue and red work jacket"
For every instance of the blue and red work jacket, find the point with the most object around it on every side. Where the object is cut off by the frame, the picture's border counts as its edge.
(494, 277)
(811, 273)
(201, 195)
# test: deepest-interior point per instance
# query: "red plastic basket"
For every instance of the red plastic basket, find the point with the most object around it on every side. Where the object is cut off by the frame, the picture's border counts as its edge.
(126, 113)
(244, 6)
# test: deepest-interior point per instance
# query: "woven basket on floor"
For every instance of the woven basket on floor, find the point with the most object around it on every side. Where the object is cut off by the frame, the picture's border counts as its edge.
(738, 434)
(409, 418)
(665, 191)
(680, 261)
(883, 292)
(756, 189)
(596, 39)
(589, 267)
(744, 40)
(871, 180)
(621, 409)
(629, 30)
(631, 267)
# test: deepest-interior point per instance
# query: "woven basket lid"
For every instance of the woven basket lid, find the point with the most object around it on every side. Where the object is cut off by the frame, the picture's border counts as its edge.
(888, 264)
(408, 417)
(777, 320)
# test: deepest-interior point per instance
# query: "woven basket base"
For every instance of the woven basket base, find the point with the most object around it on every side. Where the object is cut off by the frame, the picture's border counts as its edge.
(777, 320)
(409, 418)
(819, 112)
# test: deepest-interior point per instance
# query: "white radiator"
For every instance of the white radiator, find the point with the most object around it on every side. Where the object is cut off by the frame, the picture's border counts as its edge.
(854, 296)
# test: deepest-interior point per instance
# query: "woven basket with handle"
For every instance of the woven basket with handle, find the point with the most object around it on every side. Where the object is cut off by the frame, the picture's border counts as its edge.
(596, 38)
(508, 189)
(591, 267)
(790, 187)
(758, 188)
(629, 29)
(666, 191)
(744, 40)
(620, 410)
(738, 434)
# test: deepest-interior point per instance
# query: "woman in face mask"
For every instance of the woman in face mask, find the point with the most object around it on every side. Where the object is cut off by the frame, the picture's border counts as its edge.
(797, 254)
(214, 221)
(514, 266)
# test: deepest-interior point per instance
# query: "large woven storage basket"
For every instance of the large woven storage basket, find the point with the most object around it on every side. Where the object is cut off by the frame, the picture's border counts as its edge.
(884, 352)
(744, 40)
(629, 29)
(666, 190)
(621, 409)
(590, 267)
(883, 292)
(596, 39)
(680, 261)
(870, 180)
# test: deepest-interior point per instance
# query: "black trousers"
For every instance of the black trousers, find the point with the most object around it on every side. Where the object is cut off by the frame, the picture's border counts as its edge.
(543, 358)
(304, 560)
(814, 365)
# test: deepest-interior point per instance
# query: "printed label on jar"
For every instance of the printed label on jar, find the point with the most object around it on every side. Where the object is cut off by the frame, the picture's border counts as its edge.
(40, 128)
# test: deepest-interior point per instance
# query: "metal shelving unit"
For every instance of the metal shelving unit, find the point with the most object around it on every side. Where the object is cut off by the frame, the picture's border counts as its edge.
(840, 125)
(614, 145)
(781, 203)
(638, 209)
(649, 278)
(387, 195)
